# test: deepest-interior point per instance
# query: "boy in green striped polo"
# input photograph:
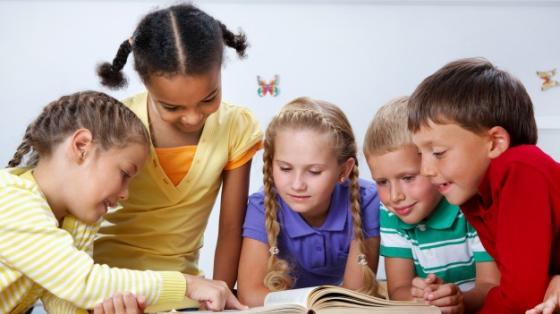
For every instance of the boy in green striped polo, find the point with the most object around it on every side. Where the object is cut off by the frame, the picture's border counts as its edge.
(431, 253)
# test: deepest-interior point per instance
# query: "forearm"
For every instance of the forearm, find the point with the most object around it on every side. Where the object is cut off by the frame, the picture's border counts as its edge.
(226, 259)
(474, 298)
(252, 297)
(400, 293)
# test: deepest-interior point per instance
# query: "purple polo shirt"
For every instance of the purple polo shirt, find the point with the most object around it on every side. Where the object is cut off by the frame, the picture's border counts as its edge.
(317, 255)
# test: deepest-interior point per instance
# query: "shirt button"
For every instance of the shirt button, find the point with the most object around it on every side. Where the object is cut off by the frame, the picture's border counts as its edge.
(422, 227)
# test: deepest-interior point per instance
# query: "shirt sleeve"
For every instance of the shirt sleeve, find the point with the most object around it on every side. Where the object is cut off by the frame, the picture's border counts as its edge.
(393, 241)
(32, 243)
(479, 252)
(370, 209)
(245, 133)
(254, 225)
(234, 164)
(523, 237)
(53, 304)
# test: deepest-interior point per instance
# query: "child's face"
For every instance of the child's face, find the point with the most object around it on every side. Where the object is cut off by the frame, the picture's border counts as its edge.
(454, 158)
(106, 176)
(184, 102)
(406, 193)
(305, 172)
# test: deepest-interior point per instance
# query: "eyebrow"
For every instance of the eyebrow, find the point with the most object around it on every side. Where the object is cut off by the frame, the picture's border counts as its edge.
(309, 165)
(212, 94)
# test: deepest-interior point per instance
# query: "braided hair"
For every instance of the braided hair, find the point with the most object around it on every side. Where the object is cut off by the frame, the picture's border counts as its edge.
(181, 39)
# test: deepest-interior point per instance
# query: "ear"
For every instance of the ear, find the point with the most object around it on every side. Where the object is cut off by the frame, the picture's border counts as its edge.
(81, 143)
(347, 167)
(499, 141)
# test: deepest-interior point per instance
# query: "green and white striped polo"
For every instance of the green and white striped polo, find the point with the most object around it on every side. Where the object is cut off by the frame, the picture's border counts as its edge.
(444, 244)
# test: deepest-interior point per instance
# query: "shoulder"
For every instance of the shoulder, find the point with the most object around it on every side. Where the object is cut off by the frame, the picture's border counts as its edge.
(368, 191)
(524, 160)
(10, 179)
(255, 203)
(230, 113)
(136, 102)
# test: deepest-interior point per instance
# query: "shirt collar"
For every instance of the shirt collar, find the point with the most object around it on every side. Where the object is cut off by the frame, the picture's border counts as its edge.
(443, 217)
(295, 226)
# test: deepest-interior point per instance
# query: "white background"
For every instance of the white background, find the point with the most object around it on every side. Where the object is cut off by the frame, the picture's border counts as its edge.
(357, 54)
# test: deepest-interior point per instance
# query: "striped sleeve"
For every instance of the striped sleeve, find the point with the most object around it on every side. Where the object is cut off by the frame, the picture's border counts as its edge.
(393, 242)
(32, 244)
(479, 252)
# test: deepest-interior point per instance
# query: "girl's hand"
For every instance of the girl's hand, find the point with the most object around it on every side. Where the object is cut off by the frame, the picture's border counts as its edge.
(551, 298)
(214, 295)
(119, 304)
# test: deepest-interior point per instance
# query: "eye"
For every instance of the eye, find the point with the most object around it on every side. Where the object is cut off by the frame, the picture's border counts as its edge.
(209, 100)
(439, 155)
(408, 178)
(315, 172)
(170, 108)
(284, 169)
(381, 182)
(125, 174)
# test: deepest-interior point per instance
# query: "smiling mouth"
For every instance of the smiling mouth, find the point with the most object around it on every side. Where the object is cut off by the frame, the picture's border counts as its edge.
(403, 210)
(299, 197)
(443, 187)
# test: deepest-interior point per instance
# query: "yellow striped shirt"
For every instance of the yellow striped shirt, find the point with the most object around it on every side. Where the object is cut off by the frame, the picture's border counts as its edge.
(40, 259)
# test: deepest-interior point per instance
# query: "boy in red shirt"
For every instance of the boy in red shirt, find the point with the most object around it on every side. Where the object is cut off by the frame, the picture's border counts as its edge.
(476, 131)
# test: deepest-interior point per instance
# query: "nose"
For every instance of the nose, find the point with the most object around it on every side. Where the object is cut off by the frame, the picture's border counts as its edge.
(396, 194)
(427, 168)
(123, 195)
(298, 183)
(192, 117)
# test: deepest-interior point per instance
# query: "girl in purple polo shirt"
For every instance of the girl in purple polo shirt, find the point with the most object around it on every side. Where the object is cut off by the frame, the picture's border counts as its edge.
(314, 222)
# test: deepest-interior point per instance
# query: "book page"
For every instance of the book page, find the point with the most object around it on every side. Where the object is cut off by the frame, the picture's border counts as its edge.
(293, 296)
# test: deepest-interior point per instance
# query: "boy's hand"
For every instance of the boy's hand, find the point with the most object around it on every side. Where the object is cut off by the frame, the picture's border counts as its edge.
(551, 298)
(448, 297)
(213, 295)
(421, 286)
(119, 304)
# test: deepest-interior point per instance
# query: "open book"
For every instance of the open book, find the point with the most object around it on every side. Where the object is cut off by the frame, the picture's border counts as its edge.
(333, 299)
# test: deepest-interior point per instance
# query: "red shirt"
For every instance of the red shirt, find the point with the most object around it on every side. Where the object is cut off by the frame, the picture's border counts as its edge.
(517, 217)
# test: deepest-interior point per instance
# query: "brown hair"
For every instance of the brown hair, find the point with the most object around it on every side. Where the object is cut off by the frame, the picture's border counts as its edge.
(110, 122)
(388, 130)
(477, 95)
(306, 113)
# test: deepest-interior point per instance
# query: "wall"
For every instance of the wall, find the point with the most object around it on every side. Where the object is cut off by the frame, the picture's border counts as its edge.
(357, 54)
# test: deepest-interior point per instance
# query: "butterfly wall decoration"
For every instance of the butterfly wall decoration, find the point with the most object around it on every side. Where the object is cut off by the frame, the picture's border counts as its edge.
(548, 82)
(270, 88)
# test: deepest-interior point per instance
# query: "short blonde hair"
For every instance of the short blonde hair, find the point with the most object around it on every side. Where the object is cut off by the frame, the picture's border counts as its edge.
(388, 130)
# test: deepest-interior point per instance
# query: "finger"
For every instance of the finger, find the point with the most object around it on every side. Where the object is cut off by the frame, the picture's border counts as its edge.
(234, 304)
(433, 279)
(442, 291)
(537, 309)
(118, 304)
(418, 283)
(141, 302)
(417, 293)
(108, 306)
(130, 304)
(451, 309)
(451, 300)
(98, 309)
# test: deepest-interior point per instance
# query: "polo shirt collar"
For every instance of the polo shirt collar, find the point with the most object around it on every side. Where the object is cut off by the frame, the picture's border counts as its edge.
(442, 217)
(295, 226)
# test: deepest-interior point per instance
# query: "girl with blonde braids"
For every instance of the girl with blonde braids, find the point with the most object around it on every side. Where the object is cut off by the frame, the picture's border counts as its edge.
(314, 222)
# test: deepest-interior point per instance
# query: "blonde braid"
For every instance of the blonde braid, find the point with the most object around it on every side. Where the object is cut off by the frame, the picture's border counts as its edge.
(370, 282)
(277, 277)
